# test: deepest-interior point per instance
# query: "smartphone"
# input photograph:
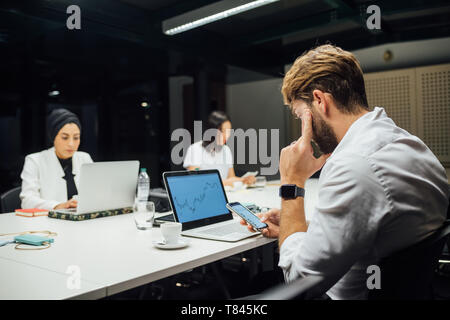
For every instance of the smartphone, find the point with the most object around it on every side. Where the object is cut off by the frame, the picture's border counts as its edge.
(247, 215)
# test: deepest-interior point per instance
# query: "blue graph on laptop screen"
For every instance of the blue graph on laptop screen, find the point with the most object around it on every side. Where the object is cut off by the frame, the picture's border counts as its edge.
(197, 196)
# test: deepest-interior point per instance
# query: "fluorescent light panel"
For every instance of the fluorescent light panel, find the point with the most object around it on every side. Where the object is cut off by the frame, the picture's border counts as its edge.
(174, 25)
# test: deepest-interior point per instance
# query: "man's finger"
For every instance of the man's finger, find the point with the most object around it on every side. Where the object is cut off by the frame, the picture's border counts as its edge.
(307, 126)
(265, 232)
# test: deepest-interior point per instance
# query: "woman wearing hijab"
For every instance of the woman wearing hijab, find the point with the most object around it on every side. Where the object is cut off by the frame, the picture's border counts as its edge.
(50, 177)
(213, 153)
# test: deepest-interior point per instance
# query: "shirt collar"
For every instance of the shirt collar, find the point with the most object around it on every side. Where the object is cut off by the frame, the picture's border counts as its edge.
(357, 126)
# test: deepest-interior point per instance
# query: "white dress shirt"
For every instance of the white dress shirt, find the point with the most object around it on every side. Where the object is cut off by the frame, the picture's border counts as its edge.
(381, 190)
(43, 185)
(198, 156)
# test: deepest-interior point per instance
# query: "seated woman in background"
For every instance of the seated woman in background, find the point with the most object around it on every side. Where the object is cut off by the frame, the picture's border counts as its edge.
(50, 177)
(214, 153)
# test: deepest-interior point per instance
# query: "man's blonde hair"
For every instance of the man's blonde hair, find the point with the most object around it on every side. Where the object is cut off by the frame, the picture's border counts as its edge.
(330, 69)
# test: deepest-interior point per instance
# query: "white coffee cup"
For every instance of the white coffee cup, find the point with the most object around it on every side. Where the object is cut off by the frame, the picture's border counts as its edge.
(171, 232)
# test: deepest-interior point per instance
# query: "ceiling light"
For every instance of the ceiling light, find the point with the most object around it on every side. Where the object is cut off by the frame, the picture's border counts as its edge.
(208, 14)
(53, 93)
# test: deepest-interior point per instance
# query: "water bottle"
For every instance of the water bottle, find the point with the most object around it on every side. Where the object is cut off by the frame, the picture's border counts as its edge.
(143, 188)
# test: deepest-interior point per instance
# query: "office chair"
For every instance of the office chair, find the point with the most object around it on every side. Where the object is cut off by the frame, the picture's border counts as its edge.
(408, 273)
(448, 208)
(10, 200)
(306, 288)
(445, 256)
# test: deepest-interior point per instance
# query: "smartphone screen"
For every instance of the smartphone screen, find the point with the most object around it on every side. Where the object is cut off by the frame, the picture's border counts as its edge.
(247, 215)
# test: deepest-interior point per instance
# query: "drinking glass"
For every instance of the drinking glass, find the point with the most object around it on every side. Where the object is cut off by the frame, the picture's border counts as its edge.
(144, 213)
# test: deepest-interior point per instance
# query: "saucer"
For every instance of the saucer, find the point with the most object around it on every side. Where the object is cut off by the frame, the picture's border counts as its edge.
(161, 245)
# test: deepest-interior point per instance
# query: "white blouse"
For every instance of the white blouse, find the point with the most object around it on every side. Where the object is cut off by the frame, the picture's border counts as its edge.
(198, 156)
(43, 185)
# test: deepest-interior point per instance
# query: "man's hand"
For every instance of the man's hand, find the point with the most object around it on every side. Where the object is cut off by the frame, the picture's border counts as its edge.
(72, 203)
(272, 218)
(297, 161)
(249, 180)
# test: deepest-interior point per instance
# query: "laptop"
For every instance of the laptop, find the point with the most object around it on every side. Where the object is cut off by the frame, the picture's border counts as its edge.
(198, 201)
(105, 186)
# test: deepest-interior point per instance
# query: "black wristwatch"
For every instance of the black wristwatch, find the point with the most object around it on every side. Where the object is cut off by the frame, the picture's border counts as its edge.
(291, 191)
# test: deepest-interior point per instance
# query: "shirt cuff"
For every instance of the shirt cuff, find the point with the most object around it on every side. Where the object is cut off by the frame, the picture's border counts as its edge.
(49, 205)
(288, 251)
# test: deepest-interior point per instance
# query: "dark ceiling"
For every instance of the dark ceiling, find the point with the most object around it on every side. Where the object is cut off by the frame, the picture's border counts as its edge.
(126, 35)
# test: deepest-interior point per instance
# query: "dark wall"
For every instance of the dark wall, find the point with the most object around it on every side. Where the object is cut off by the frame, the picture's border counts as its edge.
(114, 124)
(104, 81)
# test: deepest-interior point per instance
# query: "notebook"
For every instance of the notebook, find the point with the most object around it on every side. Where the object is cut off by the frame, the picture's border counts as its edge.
(34, 212)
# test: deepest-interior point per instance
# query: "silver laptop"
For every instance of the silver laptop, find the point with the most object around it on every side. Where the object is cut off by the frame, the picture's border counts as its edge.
(106, 186)
(199, 201)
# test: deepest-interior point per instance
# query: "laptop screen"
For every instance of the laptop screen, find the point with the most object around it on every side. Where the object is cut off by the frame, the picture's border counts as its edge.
(197, 196)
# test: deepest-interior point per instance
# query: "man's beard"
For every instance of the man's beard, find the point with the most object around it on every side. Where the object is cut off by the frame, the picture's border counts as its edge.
(323, 134)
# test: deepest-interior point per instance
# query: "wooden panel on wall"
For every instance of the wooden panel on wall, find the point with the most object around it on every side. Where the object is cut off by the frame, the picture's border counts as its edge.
(433, 97)
(418, 100)
(395, 92)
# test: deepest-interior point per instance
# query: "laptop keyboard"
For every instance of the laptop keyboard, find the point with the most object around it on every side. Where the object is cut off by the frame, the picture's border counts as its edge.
(225, 230)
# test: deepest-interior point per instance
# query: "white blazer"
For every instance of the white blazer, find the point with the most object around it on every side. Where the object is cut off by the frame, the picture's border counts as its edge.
(43, 185)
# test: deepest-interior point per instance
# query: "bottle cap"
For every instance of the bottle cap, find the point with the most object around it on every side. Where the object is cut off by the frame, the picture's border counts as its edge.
(143, 169)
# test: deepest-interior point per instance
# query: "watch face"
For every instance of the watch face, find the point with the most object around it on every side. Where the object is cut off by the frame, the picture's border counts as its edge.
(288, 192)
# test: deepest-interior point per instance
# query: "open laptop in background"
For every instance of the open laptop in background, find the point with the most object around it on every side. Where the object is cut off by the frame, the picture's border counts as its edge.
(105, 186)
(199, 201)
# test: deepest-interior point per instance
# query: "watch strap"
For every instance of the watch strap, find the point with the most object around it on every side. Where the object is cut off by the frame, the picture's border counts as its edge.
(299, 192)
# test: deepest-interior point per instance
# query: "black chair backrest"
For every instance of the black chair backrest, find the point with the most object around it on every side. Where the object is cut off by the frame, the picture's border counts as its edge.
(305, 288)
(408, 273)
(10, 200)
(448, 211)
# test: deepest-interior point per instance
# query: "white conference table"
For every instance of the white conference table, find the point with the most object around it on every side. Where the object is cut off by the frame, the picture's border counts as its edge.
(111, 254)
(21, 281)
